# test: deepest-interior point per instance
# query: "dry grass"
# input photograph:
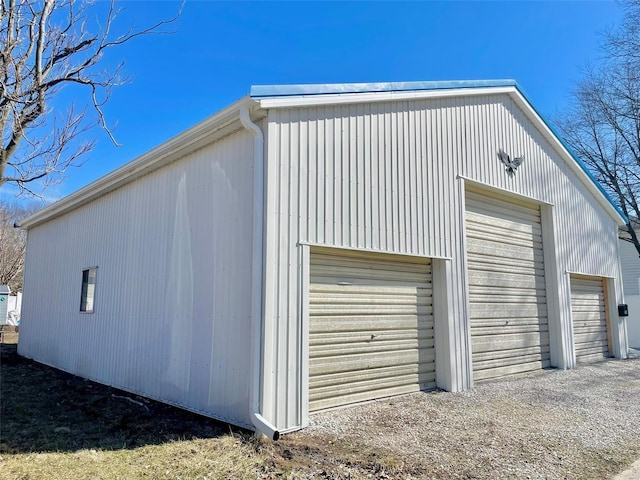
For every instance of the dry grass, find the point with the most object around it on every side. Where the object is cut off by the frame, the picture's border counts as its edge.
(58, 426)
(579, 424)
(218, 458)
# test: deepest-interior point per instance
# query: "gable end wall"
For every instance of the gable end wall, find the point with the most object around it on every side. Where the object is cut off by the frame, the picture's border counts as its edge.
(390, 177)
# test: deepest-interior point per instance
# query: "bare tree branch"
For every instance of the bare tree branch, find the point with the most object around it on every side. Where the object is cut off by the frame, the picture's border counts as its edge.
(603, 124)
(12, 244)
(46, 45)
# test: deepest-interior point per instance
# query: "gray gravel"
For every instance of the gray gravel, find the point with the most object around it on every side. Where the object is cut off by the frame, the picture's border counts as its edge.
(582, 423)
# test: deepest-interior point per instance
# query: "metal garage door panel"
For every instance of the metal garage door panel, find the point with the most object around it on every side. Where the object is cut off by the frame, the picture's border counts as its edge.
(507, 297)
(589, 318)
(370, 328)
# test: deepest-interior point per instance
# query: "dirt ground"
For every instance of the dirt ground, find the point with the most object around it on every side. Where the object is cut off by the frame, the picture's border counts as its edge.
(583, 423)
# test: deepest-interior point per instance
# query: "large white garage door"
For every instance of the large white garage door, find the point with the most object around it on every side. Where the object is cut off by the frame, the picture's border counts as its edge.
(370, 327)
(509, 326)
(589, 318)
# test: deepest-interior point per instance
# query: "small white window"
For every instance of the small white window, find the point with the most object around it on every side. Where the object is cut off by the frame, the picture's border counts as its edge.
(88, 289)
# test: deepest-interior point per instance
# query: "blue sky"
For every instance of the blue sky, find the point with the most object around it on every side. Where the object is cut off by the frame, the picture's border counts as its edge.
(219, 49)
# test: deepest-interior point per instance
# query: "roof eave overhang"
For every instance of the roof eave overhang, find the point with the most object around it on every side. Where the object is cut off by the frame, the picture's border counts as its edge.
(209, 130)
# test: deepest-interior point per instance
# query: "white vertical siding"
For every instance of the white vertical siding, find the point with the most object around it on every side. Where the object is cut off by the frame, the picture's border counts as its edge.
(172, 315)
(385, 177)
(630, 268)
(633, 321)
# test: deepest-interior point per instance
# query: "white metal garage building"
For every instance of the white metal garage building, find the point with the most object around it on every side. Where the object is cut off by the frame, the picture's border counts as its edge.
(316, 245)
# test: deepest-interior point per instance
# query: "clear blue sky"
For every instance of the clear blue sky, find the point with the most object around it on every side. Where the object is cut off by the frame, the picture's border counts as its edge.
(219, 49)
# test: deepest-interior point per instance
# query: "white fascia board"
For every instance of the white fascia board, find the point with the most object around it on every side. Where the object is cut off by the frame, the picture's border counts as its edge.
(568, 157)
(201, 134)
(342, 98)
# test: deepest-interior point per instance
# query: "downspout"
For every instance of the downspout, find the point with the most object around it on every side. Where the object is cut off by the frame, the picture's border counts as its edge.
(257, 375)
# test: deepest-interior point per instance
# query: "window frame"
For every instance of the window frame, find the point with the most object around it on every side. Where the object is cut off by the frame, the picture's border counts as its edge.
(88, 298)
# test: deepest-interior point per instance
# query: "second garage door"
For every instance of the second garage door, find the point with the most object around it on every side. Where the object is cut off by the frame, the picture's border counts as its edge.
(508, 307)
(370, 327)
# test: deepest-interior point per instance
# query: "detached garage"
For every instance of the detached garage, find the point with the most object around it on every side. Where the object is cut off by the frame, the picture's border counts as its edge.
(312, 246)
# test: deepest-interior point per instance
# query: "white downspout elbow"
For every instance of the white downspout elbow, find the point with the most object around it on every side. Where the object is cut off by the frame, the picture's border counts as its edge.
(257, 375)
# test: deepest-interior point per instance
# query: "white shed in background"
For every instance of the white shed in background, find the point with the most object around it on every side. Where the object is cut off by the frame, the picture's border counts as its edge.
(630, 262)
(316, 245)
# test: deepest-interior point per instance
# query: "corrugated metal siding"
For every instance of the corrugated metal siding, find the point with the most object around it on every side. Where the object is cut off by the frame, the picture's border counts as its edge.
(507, 294)
(633, 321)
(172, 308)
(371, 328)
(589, 318)
(384, 176)
(630, 268)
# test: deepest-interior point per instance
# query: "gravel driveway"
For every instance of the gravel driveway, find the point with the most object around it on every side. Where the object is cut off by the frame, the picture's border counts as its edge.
(582, 423)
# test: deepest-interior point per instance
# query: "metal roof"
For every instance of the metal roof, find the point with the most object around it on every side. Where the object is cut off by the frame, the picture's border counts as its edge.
(262, 91)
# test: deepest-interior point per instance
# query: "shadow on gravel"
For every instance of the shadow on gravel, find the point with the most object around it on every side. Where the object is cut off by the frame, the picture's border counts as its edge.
(43, 409)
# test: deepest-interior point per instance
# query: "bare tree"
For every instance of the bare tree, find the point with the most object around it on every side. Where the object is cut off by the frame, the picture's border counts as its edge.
(46, 45)
(602, 126)
(12, 244)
